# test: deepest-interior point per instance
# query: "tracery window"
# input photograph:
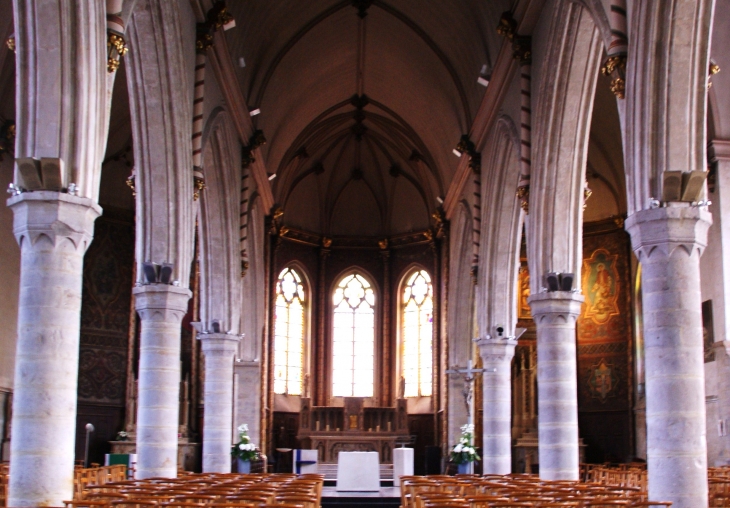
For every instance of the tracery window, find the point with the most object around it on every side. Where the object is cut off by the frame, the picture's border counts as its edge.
(289, 333)
(353, 338)
(417, 334)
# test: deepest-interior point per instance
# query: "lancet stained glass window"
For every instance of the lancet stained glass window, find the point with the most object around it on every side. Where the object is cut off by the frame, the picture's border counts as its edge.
(289, 333)
(417, 334)
(353, 338)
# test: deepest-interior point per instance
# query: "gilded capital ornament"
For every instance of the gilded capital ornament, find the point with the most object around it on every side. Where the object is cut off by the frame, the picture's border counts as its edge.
(615, 68)
(116, 48)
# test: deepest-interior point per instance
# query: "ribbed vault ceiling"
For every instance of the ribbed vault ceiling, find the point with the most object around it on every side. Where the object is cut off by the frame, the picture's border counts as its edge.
(362, 103)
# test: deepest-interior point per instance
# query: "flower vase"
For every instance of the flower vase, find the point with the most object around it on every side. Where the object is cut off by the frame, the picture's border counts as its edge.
(244, 466)
(465, 468)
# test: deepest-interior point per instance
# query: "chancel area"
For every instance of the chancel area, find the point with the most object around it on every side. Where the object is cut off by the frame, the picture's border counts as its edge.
(363, 226)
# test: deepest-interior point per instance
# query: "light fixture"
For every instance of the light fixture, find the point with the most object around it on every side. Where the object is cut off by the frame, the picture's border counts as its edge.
(157, 274)
(272, 176)
(456, 152)
(484, 77)
(166, 273)
(241, 62)
(151, 272)
(440, 200)
(556, 281)
(254, 112)
(552, 281)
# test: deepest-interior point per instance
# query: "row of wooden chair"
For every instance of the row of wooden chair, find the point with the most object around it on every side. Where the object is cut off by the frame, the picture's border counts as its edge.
(503, 491)
(206, 490)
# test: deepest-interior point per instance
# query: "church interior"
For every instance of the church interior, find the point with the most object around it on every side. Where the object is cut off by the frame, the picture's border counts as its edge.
(359, 225)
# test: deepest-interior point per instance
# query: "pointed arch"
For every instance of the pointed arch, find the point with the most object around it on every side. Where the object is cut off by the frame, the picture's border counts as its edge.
(564, 104)
(354, 304)
(415, 331)
(220, 279)
(292, 295)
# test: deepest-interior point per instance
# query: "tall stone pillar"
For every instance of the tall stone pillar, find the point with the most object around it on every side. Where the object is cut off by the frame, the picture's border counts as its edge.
(161, 308)
(53, 231)
(555, 314)
(668, 243)
(497, 357)
(218, 350)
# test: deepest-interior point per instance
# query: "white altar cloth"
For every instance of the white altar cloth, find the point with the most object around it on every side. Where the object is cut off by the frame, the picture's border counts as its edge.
(358, 471)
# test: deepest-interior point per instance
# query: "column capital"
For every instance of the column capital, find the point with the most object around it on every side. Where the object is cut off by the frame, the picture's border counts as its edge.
(54, 215)
(719, 150)
(556, 307)
(660, 231)
(496, 350)
(161, 302)
(221, 343)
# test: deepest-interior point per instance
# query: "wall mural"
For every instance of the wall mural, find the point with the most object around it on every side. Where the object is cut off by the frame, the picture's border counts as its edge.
(105, 310)
(604, 343)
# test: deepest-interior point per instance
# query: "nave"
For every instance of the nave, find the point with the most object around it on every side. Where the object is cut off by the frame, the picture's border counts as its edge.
(356, 226)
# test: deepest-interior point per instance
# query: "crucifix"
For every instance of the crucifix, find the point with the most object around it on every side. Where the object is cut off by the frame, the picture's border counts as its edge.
(469, 374)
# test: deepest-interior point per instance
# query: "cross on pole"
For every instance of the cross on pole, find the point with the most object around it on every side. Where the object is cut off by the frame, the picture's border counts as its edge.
(469, 374)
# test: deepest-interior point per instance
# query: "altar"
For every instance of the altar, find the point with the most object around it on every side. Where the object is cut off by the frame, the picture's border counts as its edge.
(353, 428)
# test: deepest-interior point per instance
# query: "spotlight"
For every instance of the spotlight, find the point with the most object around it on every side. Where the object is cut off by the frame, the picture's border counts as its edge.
(151, 272)
(552, 281)
(566, 281)
(272, 176)
(241, 62)
(456, 152)
(166, 273)
(254, 112)
(484, 77)
(440, 200)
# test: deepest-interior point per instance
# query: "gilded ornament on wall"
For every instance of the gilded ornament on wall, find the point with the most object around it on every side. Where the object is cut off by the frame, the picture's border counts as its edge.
(601, 380)
(523, 280)
(601, 286)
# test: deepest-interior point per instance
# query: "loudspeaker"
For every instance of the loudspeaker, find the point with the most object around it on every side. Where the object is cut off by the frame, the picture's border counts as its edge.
(433, 460)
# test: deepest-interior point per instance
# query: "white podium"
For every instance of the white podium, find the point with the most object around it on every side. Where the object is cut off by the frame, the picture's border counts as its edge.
(304, 461)
(358, 472)
(402, 464)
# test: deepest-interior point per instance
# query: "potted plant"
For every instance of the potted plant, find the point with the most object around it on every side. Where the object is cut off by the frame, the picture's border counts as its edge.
(463, 454)
(245, 451)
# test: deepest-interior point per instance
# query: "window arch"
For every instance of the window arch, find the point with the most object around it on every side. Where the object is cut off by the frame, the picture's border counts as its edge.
(289, 332)
(353, 337)
(416, 318)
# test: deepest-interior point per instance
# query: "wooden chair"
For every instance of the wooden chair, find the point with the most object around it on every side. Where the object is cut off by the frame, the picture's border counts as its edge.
(304, 500)
(484, 501)
(133, 503)
(645, 504)
(85, 503)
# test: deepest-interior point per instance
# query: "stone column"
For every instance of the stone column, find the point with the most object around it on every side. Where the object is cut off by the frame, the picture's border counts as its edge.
(53, 231)
(218, 350)
(497, 357)
(668, 243)
(555, 314)
(161, 308)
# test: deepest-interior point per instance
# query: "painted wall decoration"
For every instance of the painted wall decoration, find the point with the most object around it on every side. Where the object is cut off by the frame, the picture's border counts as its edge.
(602, 379)
(523, 291)
(605, 347)
(105, 310)
(601, 286)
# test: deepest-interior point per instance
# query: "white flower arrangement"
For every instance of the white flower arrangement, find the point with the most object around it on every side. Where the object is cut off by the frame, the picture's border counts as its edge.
(464, 452)
(245, 449)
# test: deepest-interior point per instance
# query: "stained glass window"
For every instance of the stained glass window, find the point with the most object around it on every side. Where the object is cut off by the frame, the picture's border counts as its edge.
(289, 333)
(417, 334)
(353, 338)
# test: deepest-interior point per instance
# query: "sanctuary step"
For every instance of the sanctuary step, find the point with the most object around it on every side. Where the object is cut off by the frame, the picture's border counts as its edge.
(388, 497)
(330, 474)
